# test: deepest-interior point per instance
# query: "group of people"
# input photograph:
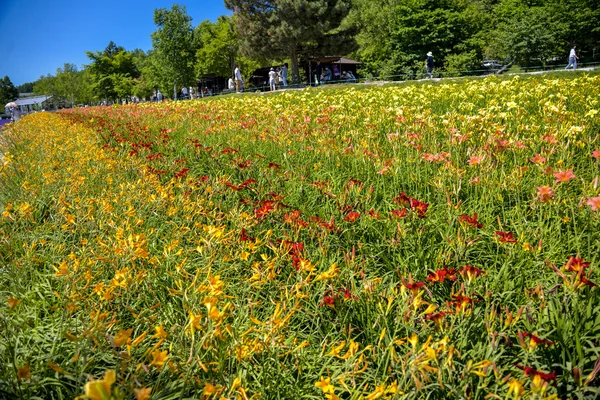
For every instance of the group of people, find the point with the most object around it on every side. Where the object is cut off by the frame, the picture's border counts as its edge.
(333, 74)
(278, 77)
(429, 63)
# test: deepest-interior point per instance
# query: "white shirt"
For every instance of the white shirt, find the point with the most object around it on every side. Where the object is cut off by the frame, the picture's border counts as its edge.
(238, 74)
(272, 75)
(572, 53)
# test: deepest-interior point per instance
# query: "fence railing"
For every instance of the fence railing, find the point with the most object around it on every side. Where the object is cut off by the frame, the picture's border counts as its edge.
(422, 75)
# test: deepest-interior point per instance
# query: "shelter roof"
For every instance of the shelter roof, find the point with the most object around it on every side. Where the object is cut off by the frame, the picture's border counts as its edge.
(335, 60)
(32, 100)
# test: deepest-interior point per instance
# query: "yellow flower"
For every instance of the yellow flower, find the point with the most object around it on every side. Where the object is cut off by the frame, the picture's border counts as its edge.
(331, 273)
(515, 388)
(123, 337)
(159, 358)
(101, 388)
(325, 385)
(160, 332)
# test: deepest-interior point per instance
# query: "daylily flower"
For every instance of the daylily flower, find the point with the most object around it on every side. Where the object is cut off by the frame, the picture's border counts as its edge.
(159, 358)
(419, 207)
(545, 193)
(594, 203)
(538, 159)
(442, 275)
(325, 385)
(101, 388)
(469, 272)
(470, 221)
(352, 216)
(564, 176)
(506, 237)
(576, 264)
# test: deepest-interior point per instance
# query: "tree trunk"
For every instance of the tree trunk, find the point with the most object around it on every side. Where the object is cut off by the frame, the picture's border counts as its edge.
(175, 91)
(295, 73)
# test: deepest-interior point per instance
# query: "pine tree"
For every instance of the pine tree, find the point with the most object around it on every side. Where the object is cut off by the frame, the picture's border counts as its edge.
(292, 28)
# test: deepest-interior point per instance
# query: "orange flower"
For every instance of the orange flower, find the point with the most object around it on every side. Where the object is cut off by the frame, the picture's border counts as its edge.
(545, 193)
(564, 176)
(142, 394)
(594, 203)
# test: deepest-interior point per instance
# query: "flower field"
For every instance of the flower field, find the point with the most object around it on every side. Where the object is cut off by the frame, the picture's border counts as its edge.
(410, 241)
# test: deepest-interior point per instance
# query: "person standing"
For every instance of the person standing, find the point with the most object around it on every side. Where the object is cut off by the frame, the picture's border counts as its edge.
(272, 79)
(284, 74)
(184, 93)
(159, 95)
(429, 64)
(572, 59)
(239, 82)
(318, 72)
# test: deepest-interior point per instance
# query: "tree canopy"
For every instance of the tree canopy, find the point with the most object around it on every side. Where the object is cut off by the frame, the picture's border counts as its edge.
(173, 44)
(8, 91)
(388, 37)
(290, 28)
(113, 71)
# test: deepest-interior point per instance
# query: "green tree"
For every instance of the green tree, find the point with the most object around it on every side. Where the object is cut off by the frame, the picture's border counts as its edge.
(8, 91)
(173, 45)
(26, 87)
(218, 50)
(277, 29)
(394, 36)
(112, 71)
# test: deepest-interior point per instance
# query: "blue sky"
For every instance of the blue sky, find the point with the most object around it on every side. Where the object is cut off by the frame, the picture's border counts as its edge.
(39, 36)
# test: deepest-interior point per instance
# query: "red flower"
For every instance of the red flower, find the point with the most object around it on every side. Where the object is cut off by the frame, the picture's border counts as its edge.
(472, 221)
(244, 237)
(348, 295)
(399, 213)
(352, 216)
(266, 207)
(419, 207)
(402, 200)
(181, 173)
(469, 272)
(442, 275)
(328, 301)
(532, 373)
(506, 237)
(576, 264)
(437, 318)
(596, 154)
(413, 286)
(373, 214)
(536, 340)
(273, 165)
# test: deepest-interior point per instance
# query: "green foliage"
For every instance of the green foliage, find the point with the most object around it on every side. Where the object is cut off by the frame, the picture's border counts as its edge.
(26, 87)
(8, 91)
(174, 46)
(68, 87)
(112, 71)
(279, 29)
